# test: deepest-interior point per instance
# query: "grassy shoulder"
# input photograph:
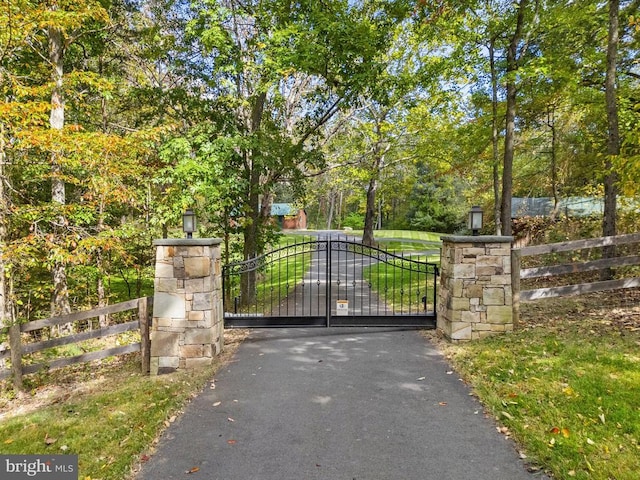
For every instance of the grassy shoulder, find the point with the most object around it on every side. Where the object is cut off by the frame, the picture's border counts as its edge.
(565, 387)
(109, 414)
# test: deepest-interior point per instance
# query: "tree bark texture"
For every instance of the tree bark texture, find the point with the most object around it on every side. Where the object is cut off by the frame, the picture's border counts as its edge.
(5, 313)
(494, 140)
(60, 297)
(332, 202)
(510, 121)
(379, 153)
(367, 236)
(551, 122)
(613, 139)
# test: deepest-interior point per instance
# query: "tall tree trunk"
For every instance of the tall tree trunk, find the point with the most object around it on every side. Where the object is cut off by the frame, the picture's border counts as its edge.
(103, 320)
(369, 217)
(379, 153)
(510, 122)
(551, 123)
(60, 298)
(332, 202)
(250, 247)
(252, 229)
(340, 198)
(5, 312)
(494, 139)
(613, 140)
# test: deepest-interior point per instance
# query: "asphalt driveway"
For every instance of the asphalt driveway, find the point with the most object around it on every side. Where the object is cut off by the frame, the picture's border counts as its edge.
(365, 404)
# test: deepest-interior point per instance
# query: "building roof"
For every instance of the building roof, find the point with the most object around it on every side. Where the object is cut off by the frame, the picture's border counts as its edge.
(543, 206)
(281, 209)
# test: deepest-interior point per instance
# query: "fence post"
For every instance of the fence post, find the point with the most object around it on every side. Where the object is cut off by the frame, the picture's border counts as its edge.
(516, 257)
(145, 342)
(15, 344)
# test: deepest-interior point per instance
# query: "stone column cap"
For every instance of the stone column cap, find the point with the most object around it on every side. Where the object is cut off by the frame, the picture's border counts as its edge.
(476, 239)
(186, 242)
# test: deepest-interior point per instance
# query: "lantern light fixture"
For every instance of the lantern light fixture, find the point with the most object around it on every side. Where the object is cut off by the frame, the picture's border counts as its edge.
(475, 220)
(189, 222)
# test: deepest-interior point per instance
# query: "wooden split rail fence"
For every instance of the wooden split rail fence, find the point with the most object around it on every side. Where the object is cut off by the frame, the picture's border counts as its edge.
(17, 349)
(517, 273)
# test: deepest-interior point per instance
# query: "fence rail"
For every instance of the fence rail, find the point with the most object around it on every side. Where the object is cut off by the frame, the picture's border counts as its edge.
(517, 273)
(17, 349)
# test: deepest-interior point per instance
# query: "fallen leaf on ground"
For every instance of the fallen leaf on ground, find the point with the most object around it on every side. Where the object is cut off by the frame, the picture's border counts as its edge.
(193, 470)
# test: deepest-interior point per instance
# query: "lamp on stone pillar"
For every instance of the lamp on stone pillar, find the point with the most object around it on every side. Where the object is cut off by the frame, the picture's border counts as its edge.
(474, 222)
(189, 222)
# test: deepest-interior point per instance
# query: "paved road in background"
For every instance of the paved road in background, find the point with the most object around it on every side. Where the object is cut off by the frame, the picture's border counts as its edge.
(343, 404)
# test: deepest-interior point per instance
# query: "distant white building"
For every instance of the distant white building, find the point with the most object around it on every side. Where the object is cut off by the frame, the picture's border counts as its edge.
(543, 206)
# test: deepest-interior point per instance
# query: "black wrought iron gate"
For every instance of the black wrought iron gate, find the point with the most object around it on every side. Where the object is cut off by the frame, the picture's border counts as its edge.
(329, 282)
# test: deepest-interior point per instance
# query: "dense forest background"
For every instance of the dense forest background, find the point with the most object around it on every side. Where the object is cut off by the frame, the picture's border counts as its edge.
(117, 115)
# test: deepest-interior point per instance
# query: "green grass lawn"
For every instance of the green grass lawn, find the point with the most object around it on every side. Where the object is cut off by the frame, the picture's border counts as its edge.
(392, 240)
(107, 413)
(397, 234)
(402, 285)
(567, 390)
(283, 269)
(408, 235)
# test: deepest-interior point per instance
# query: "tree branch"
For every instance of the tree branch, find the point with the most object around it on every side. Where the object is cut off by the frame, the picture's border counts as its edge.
(631, 74)
(326, 116)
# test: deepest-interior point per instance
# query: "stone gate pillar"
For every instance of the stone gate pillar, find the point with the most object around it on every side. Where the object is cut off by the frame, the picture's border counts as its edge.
(475, 296)
(187, 328)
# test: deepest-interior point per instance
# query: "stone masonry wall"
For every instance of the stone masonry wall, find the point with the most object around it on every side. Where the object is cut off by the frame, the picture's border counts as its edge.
(187, 328)
(475, 295)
